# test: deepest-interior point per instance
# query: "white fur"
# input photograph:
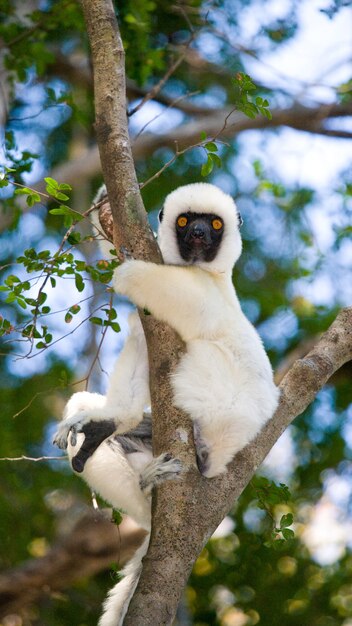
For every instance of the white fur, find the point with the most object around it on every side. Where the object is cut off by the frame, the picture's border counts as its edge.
(127, 396)
(118, 599)
(201, 198)
(117, 477)
(224, 380)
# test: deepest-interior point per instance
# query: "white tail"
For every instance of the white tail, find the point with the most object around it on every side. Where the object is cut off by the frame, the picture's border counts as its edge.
(119, 597)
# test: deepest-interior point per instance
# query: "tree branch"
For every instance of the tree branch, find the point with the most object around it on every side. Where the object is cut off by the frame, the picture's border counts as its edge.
(298, 117)
(167, 567)
(92, 545)
(172, 430)
(185, 512)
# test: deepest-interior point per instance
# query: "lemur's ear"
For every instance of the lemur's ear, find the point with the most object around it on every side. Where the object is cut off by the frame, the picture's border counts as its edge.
(161, 215)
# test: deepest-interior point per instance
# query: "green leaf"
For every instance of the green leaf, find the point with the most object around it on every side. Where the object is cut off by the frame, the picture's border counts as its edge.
(60, 211)
(11, 279)
(112, 314)
(96, 320)
(207, 167)
(61, 196)
(266, 113)
(286, 520)
(79, 282)
(22, 191)
(44, 254)
(288, 534)
(74, 238)
(211, 146)
(32, 199)
(116, 517)
(22, 303)
(52, 182)
(52, 191)
(42, 297)
(80, 266)
(216, 159)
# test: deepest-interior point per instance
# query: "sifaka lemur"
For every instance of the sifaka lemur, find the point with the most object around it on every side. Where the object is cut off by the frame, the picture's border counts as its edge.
(223, 381)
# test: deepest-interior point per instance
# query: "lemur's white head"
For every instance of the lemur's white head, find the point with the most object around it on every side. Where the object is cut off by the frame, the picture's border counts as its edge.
(199, 225)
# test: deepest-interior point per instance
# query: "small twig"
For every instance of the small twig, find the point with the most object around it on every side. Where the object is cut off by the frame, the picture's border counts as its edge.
(172, 104)
(31, 356)
(178, 153)
(155, 90)
(35, 459)
(31, 117)
(96, 357)
(41, 25)
(224, 125)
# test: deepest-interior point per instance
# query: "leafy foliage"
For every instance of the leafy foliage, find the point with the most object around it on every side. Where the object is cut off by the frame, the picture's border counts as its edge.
(259, 571)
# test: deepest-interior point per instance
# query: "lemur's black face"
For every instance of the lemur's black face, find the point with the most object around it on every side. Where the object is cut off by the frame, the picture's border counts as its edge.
(198, 236)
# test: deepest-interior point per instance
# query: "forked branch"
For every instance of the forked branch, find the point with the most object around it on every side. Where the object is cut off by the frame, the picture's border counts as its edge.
(185, 512)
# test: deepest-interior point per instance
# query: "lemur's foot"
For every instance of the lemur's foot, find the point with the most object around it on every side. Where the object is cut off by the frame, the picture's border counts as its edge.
(164, 467)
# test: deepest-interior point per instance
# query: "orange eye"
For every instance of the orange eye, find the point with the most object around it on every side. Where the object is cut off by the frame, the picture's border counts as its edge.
(182, 221)
(217, 224)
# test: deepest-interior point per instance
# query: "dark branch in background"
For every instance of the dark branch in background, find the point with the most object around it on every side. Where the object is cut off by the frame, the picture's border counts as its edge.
(299, 117)
(93, 544)
(307, 119)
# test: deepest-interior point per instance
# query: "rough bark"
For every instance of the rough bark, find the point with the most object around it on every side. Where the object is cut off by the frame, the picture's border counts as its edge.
(172, 430)
(93, 544)
(185, 512)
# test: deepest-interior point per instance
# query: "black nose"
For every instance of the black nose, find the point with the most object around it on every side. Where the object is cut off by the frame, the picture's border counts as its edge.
(198, 232)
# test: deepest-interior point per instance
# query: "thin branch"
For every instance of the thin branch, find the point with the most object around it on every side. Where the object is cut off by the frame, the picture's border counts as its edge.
(296, 116)
(100, 345)
(158, 87)
(210, 500)
(35, 459)
(171, 105)
(134, 91)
